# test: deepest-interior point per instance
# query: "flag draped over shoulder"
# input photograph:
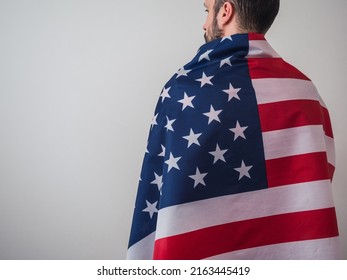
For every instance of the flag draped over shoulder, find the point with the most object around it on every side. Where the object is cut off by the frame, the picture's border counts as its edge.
(239, 162)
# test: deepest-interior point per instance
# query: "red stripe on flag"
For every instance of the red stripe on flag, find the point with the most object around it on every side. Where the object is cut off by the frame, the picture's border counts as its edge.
(289, 114)
(331, 171)
(252, 233)
(327, 124)
(256, 37)
(265, 68)
(297, 169)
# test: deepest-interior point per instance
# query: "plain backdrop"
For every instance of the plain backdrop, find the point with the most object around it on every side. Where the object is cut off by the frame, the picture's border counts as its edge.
(79, 80)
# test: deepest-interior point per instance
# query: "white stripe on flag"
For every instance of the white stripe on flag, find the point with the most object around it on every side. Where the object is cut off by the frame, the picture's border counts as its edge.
(196, 215)
(294, 141)
(277, 90)
(330, 150)
(321, 249)
(142, 250)
(261, 48)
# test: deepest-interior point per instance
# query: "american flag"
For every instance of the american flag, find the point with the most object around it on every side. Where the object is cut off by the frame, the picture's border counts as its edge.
(239, 162)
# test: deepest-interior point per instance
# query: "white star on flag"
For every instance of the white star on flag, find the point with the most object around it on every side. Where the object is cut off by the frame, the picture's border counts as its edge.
(243, 170)
(225, 62)
(162, 154)
(165, 94)
(218, 154)
(154, 121)
(182, 72)
(151, 208)
(186, 101)
(205, 80)
(239, 131)
(205, 55)
(227, 38)
(213, 115)
(169, 124)
(192, 138)
(198, 178)
(172, 162)
(147, 151)
(158, 181)
(232, 92)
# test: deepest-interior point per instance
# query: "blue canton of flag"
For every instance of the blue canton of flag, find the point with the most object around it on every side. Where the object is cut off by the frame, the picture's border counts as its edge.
(205, 138)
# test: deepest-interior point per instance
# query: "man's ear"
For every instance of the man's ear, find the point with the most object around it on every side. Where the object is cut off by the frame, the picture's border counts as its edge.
(226, 13)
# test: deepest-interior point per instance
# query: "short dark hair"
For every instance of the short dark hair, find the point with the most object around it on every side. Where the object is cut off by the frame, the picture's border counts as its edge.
(254, 15)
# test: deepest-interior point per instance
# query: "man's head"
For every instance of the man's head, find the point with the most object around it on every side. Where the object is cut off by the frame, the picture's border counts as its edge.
(228, 17)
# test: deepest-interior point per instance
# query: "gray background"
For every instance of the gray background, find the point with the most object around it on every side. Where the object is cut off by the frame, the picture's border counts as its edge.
(79, 80)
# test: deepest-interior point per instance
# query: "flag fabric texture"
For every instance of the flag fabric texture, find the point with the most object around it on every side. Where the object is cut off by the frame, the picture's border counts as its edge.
(239, 162)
